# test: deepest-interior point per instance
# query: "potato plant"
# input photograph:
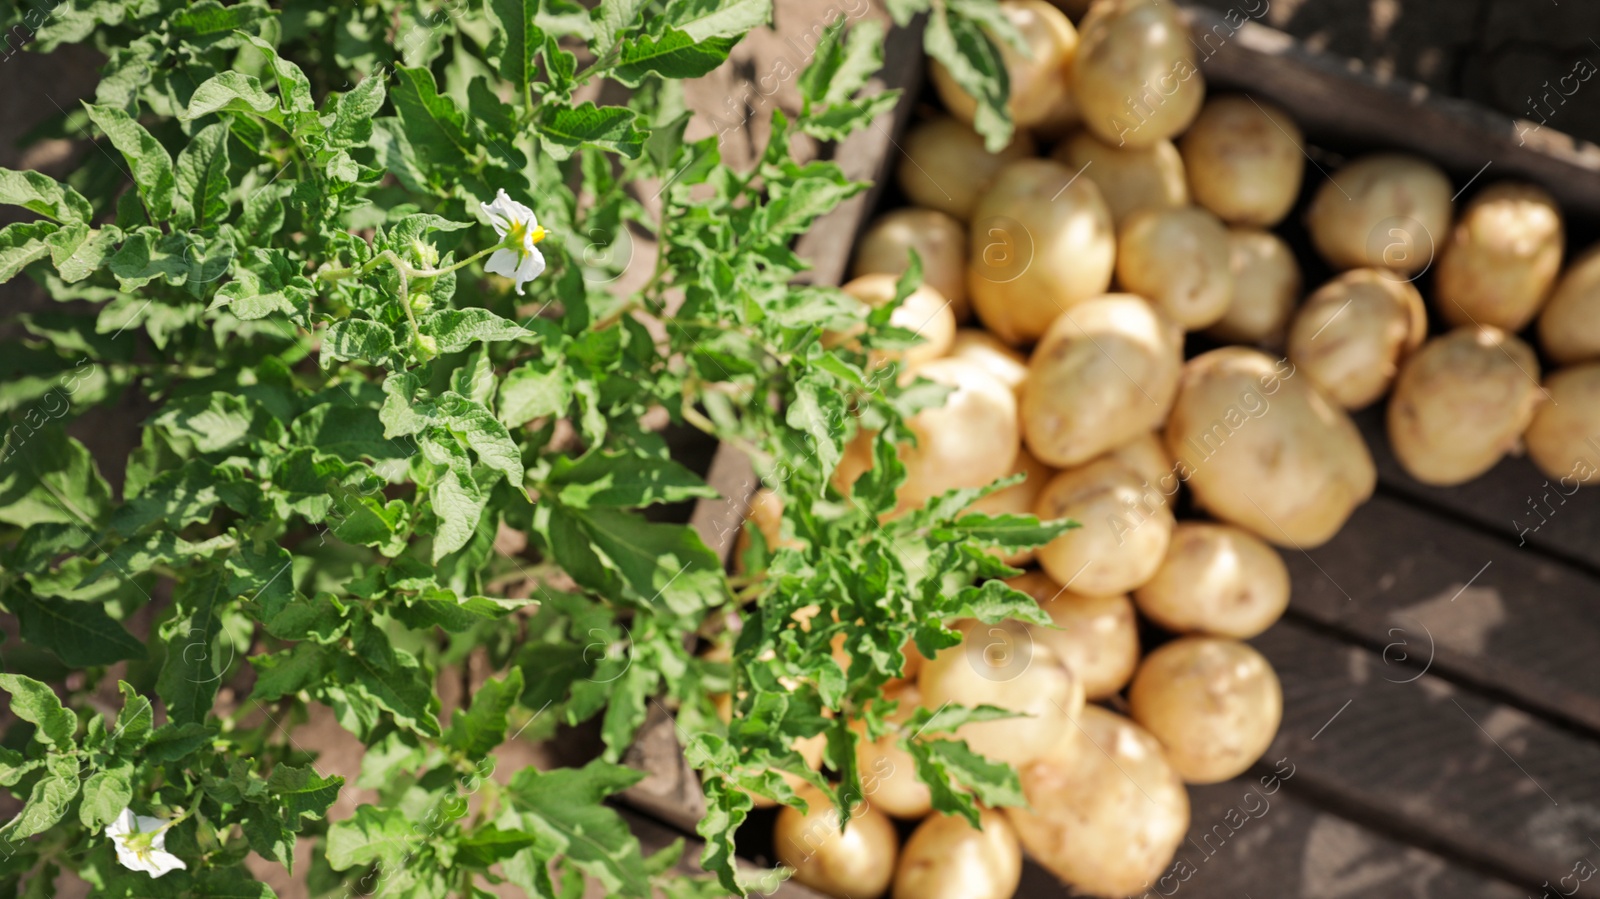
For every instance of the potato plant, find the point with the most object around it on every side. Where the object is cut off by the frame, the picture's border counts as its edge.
(354, 267)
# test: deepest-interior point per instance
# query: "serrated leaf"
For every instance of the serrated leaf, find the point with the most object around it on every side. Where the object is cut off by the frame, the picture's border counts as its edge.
(624, 480)
(382, 835)
(611, 19)
(293, 86)
(357, 338)
(391, 678)
(189, 678)
(48, 477)
(434, 124)
(458, 329)
(995, 601)
(105, 794)
(35, 702)
(517, 40)
(201, 177)
(82, 257)
(975, 64)
(482, 726)
(79, 633)
(21, 244)
(40, 193)
(135, 720)
(563, 806)
(148, 161)
(611, 128)
(47, 805)
(231, 92)
(704, 19)
(303, 792)
(353, 111)
(674, 54)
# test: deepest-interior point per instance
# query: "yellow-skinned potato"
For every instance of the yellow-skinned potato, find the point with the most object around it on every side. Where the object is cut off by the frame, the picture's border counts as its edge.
(1040, 244)
(1105, 818)
(1559, 439)
(1148, 458)
(925, 311)
(1461, 403)
(1501, 258)
(1123, 529)
(1353, 332)
(1129, 178)
(1266, 287)
(888, 773)
(1214, 703)
(1178, 259)
(1135, 79)
(1262, 448)
(1569, 326)
(1002, 665)
(1098, 635)
(1385, 210)
(856, 862)
(1018, 499)
(1041, 88)
(947, 167)
(940, 242)
(1216, 579)
(1103, 374)
(993, 355)
(946, 858)
(1244, 160)
(968, 442)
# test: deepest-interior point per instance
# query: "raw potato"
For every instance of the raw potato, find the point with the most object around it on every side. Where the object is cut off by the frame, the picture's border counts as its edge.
(1501, 258)
(940, 242)
(1130, 178)
(1353, 332)
(925, 311)
(1559, 440)
(1569, 326)
(1178, 259)
(1107, 818)
(1244, 160)
(1040, 244)
(1041, 78)
(945, 858)
(1214, 703)
(1002, 665)
(993, 355)
(1263, 449)
(1461, 403)
(766, 516)
(1123, 529)
(947, 168)
(1018, 499)
(1216, 579)
(857, 863)
(1135, 78)
(888, 773)
(1266, 287)
(1098, 635)
(968, 442)
(1103, 374)
(1385, 210)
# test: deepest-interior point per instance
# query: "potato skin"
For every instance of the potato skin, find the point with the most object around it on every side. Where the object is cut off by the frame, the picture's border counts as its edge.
(1129, 178)
(1214, 703)
(1559, 437)
(947, 167)
(1123, 533)
(1135, 77)
(1461, 403)
(1501, 258)
(1106, 820)
(940, 241)
(1041, 243)
(1018, 499)
(1354, 331)
(1569, 326)
(1244, 160)
(1384, 210)
(925, 311)
(1266, 288)
(945, 858)
(993, 355)
(1041, 81)
(1262, 448)
(1147, 457)
(1178, 259)
(888, 773)
(857, 863)
(1103, 374)
(1098, 635)
(1216, 579)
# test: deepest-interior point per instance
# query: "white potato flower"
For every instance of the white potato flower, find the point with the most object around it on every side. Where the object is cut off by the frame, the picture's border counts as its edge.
(521, 261)
(141, 844)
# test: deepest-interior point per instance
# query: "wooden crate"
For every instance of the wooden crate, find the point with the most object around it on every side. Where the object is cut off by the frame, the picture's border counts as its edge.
(1441, 665)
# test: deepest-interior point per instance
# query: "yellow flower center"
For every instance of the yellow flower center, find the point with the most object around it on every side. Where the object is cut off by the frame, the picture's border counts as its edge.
(519, 230)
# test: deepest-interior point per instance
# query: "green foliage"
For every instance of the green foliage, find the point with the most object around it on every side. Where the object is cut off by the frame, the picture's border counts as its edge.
(281, 251)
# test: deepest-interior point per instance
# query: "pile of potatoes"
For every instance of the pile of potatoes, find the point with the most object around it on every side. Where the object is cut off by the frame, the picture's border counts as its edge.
(1063, 276)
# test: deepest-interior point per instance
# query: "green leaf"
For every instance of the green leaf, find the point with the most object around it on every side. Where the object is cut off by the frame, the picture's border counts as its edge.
(152, 167)
(1010, 532)
(726, 809)
(482, 727)
(459, 329)
(392, 679)
(134, 721)
(293, 86)
(48, 477)
(622, 480)
(286, 673)
(171, 742)
(818, 409)
(35, 702)
(487, 845)
(563, 806)
(40, 193)
(705, 19)
(995, 783)
(611, 128)
(231, 92)
(538, 389)
(672, 55)
(202, 185)
(79, 633)
(611, 19)
(434, 124)
(357, 338)
(354, 111)
(23, 243)
(442, 608)
(47, 805)
(517, 40)
(617, 553)
(842, 67)
(995, 601)
(176, 498)
(472, 423)
(303, 792)
(189, 677)
(90, 251)
(382, 835)
(105, 794)
(975, 64)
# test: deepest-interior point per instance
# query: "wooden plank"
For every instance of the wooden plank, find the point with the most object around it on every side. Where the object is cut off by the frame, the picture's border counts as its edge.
(1333, 99)
(1417, 755)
